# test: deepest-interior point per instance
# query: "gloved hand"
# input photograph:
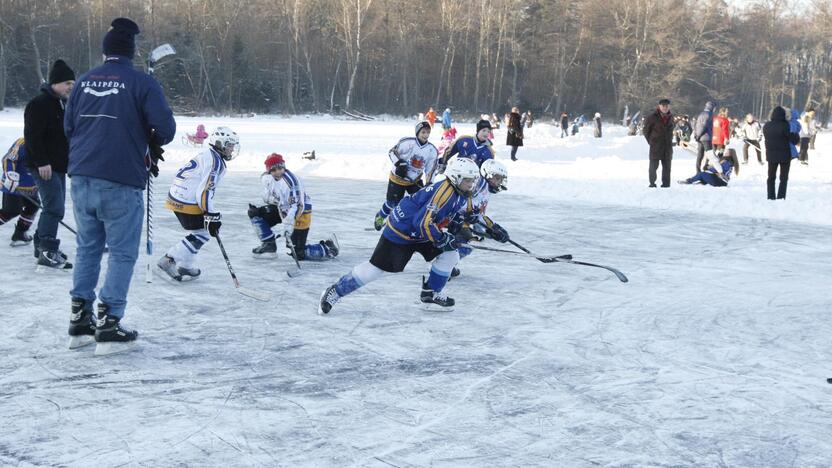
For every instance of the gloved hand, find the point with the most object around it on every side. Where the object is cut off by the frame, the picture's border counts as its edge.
(456, 224)
(253, 211)
(498, 233)
(401, 168)
(212, 223)
(156, 152)
(11, 181)
(447, 243)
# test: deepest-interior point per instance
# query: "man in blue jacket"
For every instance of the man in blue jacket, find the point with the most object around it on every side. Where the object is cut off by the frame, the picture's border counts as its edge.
(114, 116)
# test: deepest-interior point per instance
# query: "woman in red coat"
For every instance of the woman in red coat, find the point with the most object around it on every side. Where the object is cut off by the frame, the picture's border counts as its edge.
(722, 130)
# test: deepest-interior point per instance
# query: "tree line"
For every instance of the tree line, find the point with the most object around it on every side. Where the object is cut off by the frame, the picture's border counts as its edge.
(399, 57)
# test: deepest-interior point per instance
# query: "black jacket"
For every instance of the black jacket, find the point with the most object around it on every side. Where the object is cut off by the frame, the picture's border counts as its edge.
(778, 136)
(659, 135)
(514, 137)
(43, 130)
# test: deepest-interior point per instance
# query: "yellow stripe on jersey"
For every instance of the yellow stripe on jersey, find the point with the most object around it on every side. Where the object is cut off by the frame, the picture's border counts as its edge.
(185, 208)
(439, 199)
(397, 232)
(400, 181)
(304, 220)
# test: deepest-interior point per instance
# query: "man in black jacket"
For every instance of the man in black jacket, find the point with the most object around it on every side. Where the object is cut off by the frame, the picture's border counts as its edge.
(46, 158)
(658, 130)
(778, 136)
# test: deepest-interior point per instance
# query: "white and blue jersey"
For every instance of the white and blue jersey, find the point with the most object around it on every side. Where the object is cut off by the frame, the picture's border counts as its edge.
(422, 216)
(192, 190)
(470, 147)
(289, 196)
(15, 161)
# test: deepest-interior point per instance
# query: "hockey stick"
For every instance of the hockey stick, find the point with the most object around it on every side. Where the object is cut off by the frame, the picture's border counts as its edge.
(27, 197)
(244, 291)
(542, 258)
(297, 271)
(614, 271)
(156, 55)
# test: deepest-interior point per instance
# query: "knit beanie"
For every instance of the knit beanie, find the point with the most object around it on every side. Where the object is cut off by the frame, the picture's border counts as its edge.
(121, 38)
(60, 72)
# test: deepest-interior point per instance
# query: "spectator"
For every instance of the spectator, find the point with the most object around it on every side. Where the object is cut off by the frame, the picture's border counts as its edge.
(702, 131)
(722, 130)
(815, 126)
(110, 136)
(447, 123)
(597, 125)
(750, 133)
(807, 130)
(514, 137)
(430, 116)
(658, 130)
(778, 138)
(564, 124)
(528, 120)
(46, 158)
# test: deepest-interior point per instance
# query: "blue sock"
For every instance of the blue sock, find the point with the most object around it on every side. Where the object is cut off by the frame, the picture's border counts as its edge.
(347, 284)
(437, 281)
(262, 228)
(315, 252)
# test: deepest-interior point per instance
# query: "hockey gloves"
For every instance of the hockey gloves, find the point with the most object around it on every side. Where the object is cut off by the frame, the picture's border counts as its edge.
(498, 233)
(447, 243)
(11, 181)
(401, 169)
(212, 223)
(156, 152)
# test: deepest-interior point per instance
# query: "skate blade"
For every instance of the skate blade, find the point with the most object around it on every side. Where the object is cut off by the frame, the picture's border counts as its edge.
(19, 243)
(260, 296)
(115, 347)
(76, 342)
(432, 307)
(265, 256)
(46, 269)
(165, 276)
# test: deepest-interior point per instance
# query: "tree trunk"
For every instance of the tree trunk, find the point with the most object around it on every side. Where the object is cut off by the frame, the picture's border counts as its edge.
(2, 75)
(36, 54)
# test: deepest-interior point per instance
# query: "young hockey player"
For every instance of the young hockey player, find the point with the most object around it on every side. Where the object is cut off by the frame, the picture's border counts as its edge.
(477, 147)
(416, 225)
(191, 198)
(729, 164)
(412, 157)
(493, 179)
(15, 181)
(286, 203)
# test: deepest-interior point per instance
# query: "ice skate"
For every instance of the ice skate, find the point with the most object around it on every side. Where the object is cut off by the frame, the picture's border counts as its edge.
(435, 301)
(81, 324)
(266, 250)
(110, 336)
(328, 299)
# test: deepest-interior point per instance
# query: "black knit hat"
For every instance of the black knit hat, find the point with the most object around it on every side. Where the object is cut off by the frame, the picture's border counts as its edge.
(483, 124)
(121, 38)
(60, 72)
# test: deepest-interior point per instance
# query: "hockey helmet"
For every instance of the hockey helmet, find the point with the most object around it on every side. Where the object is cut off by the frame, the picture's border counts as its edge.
(492, 168)
(225, 142)
(461, 169)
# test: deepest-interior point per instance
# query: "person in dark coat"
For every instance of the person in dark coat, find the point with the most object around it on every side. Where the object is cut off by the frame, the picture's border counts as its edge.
(658, 130)
(564, 124)
(597, 125)
(703, 128)
(514, 137)
(46, 158)
(778, 138)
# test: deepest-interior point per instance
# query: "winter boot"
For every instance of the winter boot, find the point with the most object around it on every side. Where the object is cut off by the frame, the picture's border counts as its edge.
(267, 249)
(378, 223)
(81, 324)
(331, 246)
(429, 296)
(20, 237)
(110, 337)
(328, 299)
(55, 260)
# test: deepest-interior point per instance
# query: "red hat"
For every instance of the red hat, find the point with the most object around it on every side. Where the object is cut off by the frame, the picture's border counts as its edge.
(274, 160)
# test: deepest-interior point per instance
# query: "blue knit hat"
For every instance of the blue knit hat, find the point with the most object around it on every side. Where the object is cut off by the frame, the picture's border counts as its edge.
(121, 38)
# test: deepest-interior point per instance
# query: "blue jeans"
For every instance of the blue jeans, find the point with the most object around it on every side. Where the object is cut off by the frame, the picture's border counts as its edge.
(106, 213)
(53, 198)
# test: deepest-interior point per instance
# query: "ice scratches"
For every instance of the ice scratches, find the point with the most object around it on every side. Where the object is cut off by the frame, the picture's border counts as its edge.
(209, 422)
(450, 408)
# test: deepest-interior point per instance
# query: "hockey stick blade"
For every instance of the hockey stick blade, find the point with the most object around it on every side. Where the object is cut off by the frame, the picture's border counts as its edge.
(161, 52)
(260, 296)
(294, 272)
(621, 277)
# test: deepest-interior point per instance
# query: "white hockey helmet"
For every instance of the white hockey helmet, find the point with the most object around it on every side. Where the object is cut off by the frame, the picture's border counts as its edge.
(226, 142)
(461, 169)
(491, 168)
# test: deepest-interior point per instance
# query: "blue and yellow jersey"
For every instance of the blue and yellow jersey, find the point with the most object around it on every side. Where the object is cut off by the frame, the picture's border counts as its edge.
(422, 216)
(15, 161)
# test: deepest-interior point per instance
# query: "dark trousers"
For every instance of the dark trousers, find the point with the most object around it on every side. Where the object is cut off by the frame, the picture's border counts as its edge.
(15, 205)
(514, 153)
(700, 154)
(654, 164)
(784, 178)
(52, 197)
(804, 150)
(756, 145)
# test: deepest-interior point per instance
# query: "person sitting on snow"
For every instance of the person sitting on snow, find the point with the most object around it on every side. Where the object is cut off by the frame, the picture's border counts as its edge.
(710, 176)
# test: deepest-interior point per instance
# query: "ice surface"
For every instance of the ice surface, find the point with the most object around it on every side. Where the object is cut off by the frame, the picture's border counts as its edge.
(714, 354)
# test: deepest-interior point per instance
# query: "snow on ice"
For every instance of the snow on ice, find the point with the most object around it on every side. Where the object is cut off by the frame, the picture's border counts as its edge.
(714, 354)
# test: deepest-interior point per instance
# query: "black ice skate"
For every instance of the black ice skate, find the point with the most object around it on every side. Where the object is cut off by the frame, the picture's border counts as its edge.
(331, 246)
(110, 337)
(20, 237)
(55, 260)
(81, 324)
(435, 300)
(328, 299)
(268, 249)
